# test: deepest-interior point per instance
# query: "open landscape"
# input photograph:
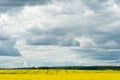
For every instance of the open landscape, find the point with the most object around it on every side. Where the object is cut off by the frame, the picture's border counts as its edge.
(59, 39)
(58, 74)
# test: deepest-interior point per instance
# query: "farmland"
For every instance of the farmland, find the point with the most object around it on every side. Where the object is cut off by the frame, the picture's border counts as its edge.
(59, 74)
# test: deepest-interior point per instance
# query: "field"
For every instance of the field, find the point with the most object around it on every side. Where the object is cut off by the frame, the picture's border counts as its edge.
(59, 75)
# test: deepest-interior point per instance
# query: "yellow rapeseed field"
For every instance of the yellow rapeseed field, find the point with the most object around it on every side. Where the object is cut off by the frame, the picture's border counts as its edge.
(59, 75)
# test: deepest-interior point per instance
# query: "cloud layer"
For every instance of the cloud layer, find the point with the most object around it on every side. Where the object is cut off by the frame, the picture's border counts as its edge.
(86, 25)
(7, 5)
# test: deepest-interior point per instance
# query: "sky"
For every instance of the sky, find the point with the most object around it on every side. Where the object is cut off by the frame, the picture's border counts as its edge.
(59, 33)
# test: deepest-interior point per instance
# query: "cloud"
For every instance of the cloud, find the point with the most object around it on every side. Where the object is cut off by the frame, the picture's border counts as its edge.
(99, 54)
(54, 36)
(22, 2)
(96, 5)
(60, 23)
(8, 5)
(4, 37)
(7, 45)
(7, 48)
(58, 56)
(42, 40)
(86, 25)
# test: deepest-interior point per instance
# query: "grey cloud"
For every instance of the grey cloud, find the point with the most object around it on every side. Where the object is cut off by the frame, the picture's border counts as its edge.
(50, 40)
(107, 41)
(108, 34)
(43, 40)
(35, 30)
(57, 31)
(22, 2)
(54, 36)
(98, 54)
(7, 48)
(2, 37)
(69, 42)
(8, 5)
(96, 5)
